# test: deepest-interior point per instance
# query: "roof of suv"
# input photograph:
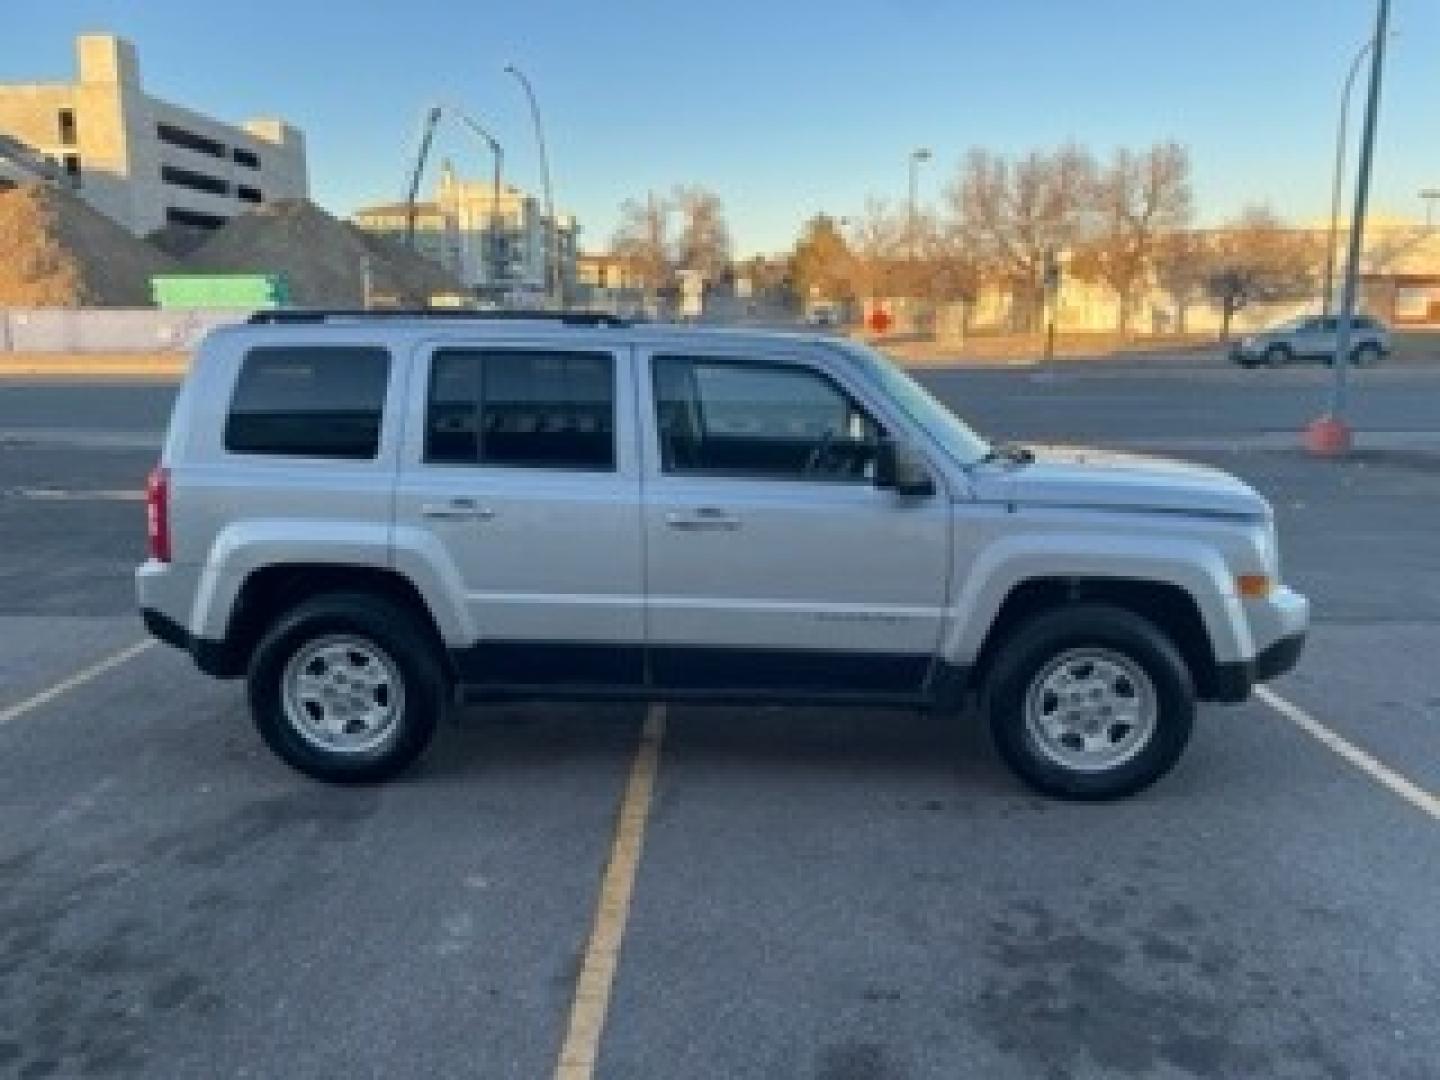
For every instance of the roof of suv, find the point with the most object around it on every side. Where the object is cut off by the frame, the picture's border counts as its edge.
(309, 325)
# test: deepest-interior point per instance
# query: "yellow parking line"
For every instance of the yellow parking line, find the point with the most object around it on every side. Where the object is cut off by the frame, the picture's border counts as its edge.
(1411, 792)
(602, 954)
(78, 679)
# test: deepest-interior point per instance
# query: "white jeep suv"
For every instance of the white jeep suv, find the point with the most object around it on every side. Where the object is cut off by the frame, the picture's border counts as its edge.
(371, 517)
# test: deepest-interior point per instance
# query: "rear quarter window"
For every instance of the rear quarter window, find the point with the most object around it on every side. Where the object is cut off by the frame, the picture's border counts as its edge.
(309, 401)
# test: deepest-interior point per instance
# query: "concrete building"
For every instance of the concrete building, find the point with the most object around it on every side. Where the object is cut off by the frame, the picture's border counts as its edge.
(144, 162)
(495, 244)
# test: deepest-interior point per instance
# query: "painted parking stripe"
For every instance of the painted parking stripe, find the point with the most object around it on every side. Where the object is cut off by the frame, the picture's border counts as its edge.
(80, 678)
(602, 954)
(1412, 793)
(79, 495)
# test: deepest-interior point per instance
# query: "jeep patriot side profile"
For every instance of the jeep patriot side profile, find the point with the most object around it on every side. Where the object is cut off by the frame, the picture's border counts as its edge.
(369, 518)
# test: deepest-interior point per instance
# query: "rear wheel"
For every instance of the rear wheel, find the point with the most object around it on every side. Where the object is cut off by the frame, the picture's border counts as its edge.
(1365, 355)
(1090, 702)
(348, 688)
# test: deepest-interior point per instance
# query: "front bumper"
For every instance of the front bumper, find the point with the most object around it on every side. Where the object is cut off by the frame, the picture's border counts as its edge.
(1278, 626)
(1234, 681)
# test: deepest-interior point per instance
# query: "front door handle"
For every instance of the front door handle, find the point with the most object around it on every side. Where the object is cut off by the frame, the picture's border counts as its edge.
(710, 518)
(456, 510)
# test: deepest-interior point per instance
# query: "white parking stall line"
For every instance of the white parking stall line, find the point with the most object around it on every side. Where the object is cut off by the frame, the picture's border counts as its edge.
(1381, 773)
(80, 678)
(78, 495)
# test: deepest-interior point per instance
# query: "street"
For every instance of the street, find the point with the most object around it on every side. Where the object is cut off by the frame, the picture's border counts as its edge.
(822, 893)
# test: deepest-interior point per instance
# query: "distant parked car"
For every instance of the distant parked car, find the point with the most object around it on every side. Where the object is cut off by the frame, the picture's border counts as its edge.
(1311, 339)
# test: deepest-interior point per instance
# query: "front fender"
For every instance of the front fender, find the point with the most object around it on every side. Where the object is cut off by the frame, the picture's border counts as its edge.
(1009, 561)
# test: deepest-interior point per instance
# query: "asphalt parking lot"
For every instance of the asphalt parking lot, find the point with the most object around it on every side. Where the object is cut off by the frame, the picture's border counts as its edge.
(829, 894)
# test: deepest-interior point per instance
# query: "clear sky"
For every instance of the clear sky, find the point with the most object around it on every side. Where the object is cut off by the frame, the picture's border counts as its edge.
(785, 107)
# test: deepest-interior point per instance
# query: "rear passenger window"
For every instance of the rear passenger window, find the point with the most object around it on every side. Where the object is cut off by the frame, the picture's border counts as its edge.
(521, 409)
(309, 401)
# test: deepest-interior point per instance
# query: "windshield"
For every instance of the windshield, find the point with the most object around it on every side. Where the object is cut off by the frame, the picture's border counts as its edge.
(962, 441)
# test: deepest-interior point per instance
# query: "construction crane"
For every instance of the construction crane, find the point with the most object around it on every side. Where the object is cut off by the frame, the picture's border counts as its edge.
(495, 253)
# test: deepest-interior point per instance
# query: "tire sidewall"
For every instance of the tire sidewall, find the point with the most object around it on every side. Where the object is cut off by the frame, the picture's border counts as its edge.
(1366, 355)
(1051, 634)
(389, 629)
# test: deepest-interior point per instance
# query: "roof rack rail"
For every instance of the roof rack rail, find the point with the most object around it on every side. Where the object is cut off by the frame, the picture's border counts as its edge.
(281, 316)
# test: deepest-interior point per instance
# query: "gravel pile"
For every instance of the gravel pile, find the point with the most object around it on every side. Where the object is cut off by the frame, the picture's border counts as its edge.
(321, 256)
(55, 251)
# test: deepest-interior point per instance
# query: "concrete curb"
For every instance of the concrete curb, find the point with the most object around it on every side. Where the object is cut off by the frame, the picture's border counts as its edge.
(79, 365)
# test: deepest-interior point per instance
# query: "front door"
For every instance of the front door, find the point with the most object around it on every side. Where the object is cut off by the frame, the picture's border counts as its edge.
(773, 562)
(520, 471)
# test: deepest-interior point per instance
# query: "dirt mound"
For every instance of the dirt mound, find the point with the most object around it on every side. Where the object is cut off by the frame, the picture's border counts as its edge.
(55, 251)
(322, 257)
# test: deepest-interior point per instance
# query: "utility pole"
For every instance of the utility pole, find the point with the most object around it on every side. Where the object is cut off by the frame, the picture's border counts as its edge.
(495, 253)
(554, 280)
(916, 157)
(1330, 435)
(1328, 297)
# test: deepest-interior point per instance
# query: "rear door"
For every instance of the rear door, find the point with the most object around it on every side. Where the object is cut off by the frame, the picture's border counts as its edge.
(519, 471)
(774, 564)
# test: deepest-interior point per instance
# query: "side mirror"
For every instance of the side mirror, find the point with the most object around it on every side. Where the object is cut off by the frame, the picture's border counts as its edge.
(900, 468)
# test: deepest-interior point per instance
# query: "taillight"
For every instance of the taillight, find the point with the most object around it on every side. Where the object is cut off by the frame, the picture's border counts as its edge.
(157, 513)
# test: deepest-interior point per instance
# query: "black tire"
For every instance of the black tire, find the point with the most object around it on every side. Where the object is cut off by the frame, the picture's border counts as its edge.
(400, 636)
(1366, 355)
(1278, 356)
(1029, 651)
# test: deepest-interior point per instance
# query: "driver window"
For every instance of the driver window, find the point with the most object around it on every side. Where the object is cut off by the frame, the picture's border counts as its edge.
(746, 418)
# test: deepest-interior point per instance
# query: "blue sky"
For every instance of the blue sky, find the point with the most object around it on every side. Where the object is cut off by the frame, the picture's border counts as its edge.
(788, 107)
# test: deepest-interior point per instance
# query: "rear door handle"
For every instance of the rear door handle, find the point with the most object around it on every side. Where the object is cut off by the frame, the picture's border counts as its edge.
(706, 518)
(456, 510)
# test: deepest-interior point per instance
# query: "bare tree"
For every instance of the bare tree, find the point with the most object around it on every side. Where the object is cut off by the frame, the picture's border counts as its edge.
(1134, 201)
(1258, 258)
(876, 240)
(1179, 268)
(642, 240)
(949, 269)
(703, 245)
(1013, 214)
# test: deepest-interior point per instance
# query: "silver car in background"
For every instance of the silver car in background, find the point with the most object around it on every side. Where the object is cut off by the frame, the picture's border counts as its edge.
(1310, 339)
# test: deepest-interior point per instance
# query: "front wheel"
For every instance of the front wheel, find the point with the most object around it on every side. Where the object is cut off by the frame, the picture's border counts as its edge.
(347, 688)
(1090, 702)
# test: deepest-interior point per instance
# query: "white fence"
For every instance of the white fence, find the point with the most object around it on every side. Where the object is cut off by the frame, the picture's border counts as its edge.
(107, 330)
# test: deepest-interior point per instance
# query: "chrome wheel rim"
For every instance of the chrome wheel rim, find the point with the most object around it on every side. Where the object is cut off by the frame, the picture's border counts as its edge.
(343, 694)
(1091, 709)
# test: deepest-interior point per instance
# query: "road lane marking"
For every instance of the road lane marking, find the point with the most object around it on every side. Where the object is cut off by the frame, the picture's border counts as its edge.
(602, 953)
(1370, 766)
(80, 678)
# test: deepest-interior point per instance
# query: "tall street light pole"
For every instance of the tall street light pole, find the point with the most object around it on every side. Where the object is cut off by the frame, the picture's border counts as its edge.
(1327, 298)
(916, 157)
(495, 255)
(1429, 195)
(554, 283)
(1330, 435)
